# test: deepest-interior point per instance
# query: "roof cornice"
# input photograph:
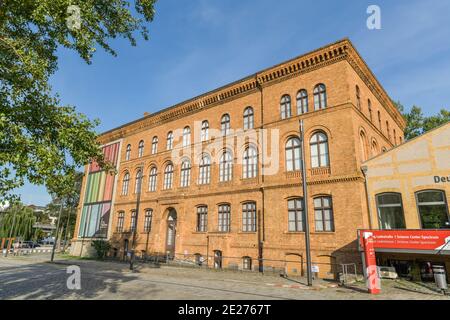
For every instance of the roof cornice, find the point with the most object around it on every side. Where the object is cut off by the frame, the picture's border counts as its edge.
(319, 58)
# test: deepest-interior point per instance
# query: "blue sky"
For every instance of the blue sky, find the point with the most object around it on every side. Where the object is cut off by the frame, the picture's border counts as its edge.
(198, 45)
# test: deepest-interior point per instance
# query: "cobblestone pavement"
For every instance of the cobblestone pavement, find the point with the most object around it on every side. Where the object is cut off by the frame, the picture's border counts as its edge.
(33, 277)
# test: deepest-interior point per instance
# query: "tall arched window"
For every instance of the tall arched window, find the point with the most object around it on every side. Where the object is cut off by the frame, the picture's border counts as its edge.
(125, 183)
(120, 220)
(320, 97)
(138, 182)
(225, 124)
(133, 221)
(249, 217)
(204, 134)
(204, 176)
(148, 220)
(433, 209)
(358, 98)
(224, 217)
(185, 173)
(202, 219)
(152, 179)
(319, 150)
(250, 163)
(388, 130)
(226, 166)
(293, 154)
(374, 148)
(168, 176)
(248, 118)
(323, 212)
(363, 143)
(170, 141)
(285, 107)
(141, 149)
(379, 119)
(155, 145)
(186, 136)
(390, 211)
(296, 215)
(302, 101)
(369, 105)
(128, 152)
(395, 137)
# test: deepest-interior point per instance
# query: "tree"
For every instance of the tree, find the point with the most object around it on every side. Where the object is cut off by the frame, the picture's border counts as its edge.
(40, 140)
(417, 124)
(17, 221)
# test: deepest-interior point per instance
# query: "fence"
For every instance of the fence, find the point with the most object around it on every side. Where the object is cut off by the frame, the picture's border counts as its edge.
(216, 261)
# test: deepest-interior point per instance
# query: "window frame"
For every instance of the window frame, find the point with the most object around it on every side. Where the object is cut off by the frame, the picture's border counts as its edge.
(169, 141)
(128, 152)
(168, 176)
(185, 173)
(290, 150)
(300, 224)
(125, 184)
(148, 220)
(250, 163)
(204, 170)
(202, 218)
(120, 221)
(285, 107)
(224, 217)
(153, 179)
(319, 154)
(302, 101)
(226, 166)
(249, 217)
(186, 136)
(249, 118)
(225, 124)
(322, 208)
(320, 97)
(155, 141)
(204, 132)
(416, 196)
(378, 206)
(141, 149)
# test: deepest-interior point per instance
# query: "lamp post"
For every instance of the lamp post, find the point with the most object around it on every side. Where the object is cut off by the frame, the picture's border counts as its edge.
(138, 202)
(57, 230)
(305, 205)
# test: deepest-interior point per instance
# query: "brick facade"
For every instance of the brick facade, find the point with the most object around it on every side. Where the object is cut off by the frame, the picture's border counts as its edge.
(340, 68)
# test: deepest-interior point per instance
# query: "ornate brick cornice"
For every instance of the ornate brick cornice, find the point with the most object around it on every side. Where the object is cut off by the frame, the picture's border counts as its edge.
(330, 54)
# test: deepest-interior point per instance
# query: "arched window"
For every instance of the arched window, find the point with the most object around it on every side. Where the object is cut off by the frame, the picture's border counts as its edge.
(133, 221)
(120, 220)
(204, 176)
(319, 150)
(285, 107)
(296, 215)
(155, 145)
(323, 212)
(383, 150)
(395, 137)
(168, 176)
(248, 118)
(225, 124)
(302, 101)
(141, 149)
(204, 136)
(369, 105)
(185, 173)
(186, 136)
(374, 148)
(363, 143)
(250, 165)
(293, 154)
(433, 210)
(148, 220)
(138, 183)
(128, 153)
(358, 98)
(170, 141)
(202, 219)
(224, 217)
(226, 166)
(125, 183)
(390, 211)
(246, 263)
(379, 119)
(152, 179)
(320, 97)
(249, 217)
(388, 130)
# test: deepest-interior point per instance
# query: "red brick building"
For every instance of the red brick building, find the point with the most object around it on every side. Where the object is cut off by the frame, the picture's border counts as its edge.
(221, 177)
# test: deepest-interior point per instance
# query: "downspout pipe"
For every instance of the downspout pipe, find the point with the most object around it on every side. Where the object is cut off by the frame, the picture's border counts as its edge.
(364, 170)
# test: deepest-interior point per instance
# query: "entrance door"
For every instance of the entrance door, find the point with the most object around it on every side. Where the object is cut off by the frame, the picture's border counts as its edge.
(171, 233)
(217, 259)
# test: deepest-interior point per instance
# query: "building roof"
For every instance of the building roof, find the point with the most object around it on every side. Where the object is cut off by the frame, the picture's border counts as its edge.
(331, 53)
(408, 142)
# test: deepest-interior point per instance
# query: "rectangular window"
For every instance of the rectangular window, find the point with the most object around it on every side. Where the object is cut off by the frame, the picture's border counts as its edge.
(390, 211)
(202, 219)
(120, 220)
(249, 217)
(323, 212)
(296, 217)
(148, 220)
(224, 217)
(133, 221)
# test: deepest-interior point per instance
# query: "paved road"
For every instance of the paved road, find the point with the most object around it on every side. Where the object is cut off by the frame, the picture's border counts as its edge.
(34, 278)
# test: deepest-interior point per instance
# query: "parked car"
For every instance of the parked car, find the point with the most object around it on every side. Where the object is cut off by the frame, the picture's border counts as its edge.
(387, 273)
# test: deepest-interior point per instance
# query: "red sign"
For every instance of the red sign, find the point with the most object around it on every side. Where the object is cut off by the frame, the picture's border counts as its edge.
(438, 240)
(373, 281)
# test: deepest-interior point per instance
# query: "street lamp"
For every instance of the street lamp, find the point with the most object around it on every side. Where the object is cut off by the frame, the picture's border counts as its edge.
(138, 202)
(305, 206)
